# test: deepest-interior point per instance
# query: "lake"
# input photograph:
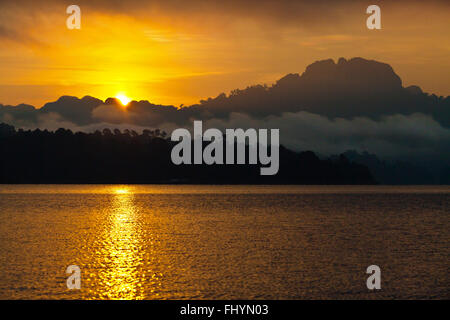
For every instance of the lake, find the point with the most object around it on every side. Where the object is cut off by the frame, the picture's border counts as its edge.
(224, 242)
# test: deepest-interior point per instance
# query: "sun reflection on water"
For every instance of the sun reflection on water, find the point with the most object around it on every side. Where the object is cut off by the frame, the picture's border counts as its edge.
(121, 191)
(122, 249)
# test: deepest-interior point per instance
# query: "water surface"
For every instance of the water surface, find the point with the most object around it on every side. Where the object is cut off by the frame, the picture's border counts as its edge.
(223, 242)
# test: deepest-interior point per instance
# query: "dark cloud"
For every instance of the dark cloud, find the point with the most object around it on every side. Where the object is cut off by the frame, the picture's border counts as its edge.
(304, 13)
(17, 35)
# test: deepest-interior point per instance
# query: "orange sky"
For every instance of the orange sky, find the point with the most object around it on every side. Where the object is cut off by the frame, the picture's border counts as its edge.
(172, 53)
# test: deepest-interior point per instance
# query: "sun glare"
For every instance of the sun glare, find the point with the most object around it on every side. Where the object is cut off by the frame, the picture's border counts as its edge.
(124, 100)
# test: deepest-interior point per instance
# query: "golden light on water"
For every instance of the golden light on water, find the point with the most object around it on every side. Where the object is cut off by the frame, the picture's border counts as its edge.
(121, 191)
(127, 261)
(122, 250)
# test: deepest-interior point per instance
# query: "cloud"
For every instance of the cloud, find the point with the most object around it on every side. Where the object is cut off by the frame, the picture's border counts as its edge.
(393, 136)
(18, 35)
(108, 113)
(318, 14)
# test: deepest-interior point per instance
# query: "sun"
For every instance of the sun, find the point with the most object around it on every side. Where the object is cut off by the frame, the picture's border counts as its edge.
(124, 100)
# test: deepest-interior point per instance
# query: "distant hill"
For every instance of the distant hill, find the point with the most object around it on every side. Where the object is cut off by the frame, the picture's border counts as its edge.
(399, 172)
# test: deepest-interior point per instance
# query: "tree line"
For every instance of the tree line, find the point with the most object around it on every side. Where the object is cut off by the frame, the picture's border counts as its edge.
(115, 156)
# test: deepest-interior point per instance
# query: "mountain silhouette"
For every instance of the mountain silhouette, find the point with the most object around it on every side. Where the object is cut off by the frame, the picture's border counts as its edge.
(346, 89)
(73, 109)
